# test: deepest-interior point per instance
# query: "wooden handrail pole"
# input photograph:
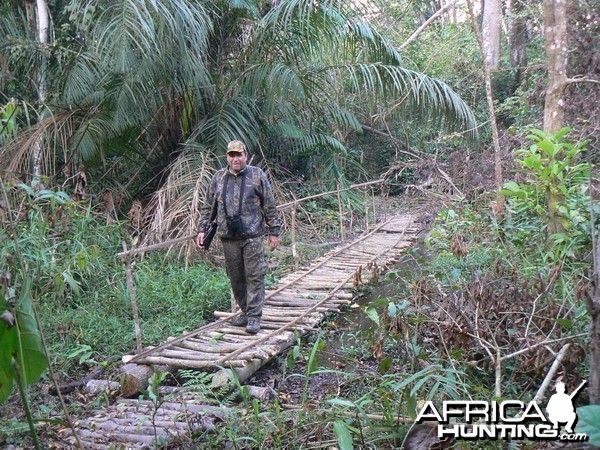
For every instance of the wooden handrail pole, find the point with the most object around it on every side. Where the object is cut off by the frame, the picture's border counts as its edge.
(341, 213)
(135, 251)
(322, 194)
(134, 309)
(293, 236)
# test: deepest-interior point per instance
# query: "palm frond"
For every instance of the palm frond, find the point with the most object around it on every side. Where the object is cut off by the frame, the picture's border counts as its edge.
(16, 157)
(81, 84)
(236, 118)
(326, 31)
(175, 208)
(412, 91)
(250, 6)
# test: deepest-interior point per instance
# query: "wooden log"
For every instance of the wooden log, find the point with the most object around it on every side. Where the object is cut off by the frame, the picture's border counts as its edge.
(270, 322)
(188, 364)
(134, 308)
(206, 347)
(303, 294)
(111, 427)
(135, 377)
(118, 437)
(287, 306)
(95, 387)
(228, 338)
(306, 304)
(225, 376)
(171, 407)
(268, 312)
(117, 423)
(89, 445)
(225, 340)
(263, 393)
(310, 298)
(240, 333)
(93, 375)
(191, 355)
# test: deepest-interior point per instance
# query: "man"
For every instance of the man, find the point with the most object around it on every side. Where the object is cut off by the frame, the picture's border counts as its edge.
(245, 213)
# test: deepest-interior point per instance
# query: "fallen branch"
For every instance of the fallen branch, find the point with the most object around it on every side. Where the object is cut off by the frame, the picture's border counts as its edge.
(426, 24)
(555, 365)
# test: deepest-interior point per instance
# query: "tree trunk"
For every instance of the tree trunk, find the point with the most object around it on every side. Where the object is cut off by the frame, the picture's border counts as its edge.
(517, 38)
(499, 207)
(593, 307)
(594, 310)
(43, 23)
(555, 33)
(492, 20)
(555, 22)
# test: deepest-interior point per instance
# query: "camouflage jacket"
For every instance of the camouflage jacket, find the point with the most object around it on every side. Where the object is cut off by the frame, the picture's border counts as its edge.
(258, 213)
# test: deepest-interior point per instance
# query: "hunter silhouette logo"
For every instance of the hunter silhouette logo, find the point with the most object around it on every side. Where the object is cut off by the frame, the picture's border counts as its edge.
(508, 419)
(560, 407)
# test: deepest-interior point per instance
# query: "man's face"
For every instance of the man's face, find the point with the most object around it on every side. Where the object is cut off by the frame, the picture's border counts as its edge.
(237, 161)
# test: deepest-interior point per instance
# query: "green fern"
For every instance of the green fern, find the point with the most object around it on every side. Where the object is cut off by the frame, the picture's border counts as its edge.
(200, 383)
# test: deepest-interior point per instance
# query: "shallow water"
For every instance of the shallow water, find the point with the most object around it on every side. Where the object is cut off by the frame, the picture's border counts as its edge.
(345, 330)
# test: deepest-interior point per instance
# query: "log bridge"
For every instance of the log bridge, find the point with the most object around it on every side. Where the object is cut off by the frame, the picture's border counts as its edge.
(298, 304)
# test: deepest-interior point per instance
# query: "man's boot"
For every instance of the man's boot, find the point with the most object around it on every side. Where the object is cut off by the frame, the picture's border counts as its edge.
(239, 321)
(253, 326)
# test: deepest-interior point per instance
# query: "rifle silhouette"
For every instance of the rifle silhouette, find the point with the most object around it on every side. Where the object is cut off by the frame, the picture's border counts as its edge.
(576, 391)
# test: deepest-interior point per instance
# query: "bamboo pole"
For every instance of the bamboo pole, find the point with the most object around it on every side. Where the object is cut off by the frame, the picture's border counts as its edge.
(295, 253)
(311, 197)
(134, 309)
(374, 206)
(366, 212)
(341, 213)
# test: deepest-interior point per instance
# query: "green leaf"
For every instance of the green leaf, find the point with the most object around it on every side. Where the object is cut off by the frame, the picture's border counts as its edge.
(311, 364)
(512, 186)
(519, 194)
(392, 309)
(532, 162)
(565, 323)
(561, 133)
(411, 406)
(372, 314)
(343, 435)
(81, 260)
(72, 282)
(21, 343)
(385, 365)
(341, 402)
(589, 423)
(547, 147)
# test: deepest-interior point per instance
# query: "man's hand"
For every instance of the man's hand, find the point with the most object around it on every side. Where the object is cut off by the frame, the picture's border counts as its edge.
(200, 239)
(273, 242)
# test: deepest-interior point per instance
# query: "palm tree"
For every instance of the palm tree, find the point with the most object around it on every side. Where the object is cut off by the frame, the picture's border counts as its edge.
(158, 82)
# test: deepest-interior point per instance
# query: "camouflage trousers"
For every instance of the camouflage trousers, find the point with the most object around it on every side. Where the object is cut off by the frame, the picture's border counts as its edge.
(246, 265)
